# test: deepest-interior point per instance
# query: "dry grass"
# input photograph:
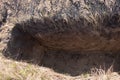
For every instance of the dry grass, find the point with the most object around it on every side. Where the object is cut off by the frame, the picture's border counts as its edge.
(13, 70)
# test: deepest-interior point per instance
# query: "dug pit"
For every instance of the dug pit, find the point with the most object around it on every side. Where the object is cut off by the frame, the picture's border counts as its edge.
(26, 47)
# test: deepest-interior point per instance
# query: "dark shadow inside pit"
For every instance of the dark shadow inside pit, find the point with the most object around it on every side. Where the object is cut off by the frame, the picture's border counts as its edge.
(76, 63)
(72, 63)
(23, 46)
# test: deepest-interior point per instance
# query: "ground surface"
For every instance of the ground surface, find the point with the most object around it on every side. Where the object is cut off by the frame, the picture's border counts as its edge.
(97, 18)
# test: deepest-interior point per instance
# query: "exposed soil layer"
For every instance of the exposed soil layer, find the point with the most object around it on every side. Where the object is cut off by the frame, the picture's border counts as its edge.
(23, 46)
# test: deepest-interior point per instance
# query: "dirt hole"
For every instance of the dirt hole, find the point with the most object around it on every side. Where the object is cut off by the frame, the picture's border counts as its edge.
(21, 47)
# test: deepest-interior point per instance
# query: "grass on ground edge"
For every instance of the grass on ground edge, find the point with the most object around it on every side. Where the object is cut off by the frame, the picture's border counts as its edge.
(13, 70)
